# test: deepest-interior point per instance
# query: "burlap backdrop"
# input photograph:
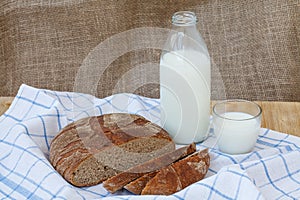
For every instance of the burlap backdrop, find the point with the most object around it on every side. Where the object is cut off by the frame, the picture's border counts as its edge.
(254, 45)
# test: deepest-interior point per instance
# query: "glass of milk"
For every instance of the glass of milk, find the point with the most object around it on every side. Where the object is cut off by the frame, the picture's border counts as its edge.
(236, 124)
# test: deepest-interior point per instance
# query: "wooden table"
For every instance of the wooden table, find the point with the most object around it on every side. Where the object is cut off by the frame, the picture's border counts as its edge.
(280, 116)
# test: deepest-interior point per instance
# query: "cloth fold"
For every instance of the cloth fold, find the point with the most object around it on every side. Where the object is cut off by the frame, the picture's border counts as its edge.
(270, 171)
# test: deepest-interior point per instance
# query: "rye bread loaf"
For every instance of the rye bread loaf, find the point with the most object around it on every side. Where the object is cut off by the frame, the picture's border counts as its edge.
(178, 175)
(90, 150)
(118, 181)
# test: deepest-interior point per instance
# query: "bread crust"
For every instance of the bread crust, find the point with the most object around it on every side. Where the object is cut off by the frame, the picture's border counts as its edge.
(165, 182)
(179, 175)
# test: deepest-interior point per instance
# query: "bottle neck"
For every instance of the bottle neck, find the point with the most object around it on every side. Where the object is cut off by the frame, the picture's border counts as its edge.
(185, 22)
(185, 35)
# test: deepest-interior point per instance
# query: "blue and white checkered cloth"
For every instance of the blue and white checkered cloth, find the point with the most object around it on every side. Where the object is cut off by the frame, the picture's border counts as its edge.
(271, 171)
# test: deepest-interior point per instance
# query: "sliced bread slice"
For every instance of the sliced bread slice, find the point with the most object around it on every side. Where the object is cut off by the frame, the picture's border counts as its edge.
(117, 182)
(139, 184)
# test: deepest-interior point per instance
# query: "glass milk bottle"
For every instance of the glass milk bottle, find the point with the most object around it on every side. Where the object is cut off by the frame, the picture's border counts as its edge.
(185, 81)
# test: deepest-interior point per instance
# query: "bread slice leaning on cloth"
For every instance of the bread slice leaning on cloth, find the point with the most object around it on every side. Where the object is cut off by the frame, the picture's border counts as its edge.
(179, 175)
(137, 186)
(93, 149)
(118, 181)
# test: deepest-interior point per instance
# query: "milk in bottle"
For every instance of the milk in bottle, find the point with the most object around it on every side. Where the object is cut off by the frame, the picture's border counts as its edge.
(185, 82)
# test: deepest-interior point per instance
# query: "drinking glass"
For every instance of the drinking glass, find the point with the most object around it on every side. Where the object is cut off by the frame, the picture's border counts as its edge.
(236, 124)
